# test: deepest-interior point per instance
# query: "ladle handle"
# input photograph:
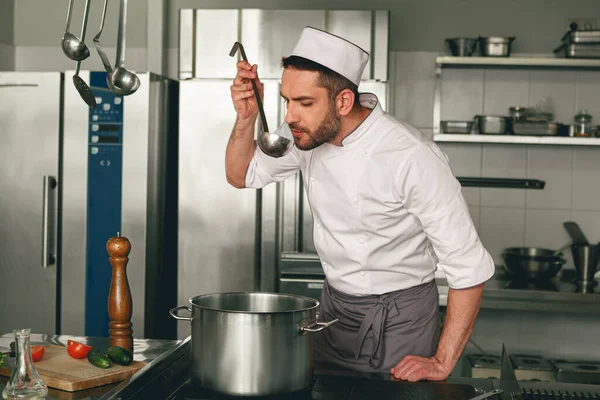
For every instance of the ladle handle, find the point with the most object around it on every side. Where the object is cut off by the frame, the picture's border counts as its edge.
(236, 46)
(86, 13)
(69, 12)
(97, 37)
(121, 34)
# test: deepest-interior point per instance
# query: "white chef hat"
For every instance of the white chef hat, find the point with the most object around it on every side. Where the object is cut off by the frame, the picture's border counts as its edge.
(333, 52)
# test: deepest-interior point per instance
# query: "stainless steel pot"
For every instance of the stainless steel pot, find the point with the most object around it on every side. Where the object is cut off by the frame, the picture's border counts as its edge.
(493, 125)
(495, 46)
(252, 343)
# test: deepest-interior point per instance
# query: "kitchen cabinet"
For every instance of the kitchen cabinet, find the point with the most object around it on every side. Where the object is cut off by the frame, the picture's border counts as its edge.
(445, 62)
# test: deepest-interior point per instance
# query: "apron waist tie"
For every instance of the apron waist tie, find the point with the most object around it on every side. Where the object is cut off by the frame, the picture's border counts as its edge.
(374, 321)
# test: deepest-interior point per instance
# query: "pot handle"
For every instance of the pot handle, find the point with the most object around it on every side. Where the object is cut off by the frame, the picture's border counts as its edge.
(305, 330)
(173, 312)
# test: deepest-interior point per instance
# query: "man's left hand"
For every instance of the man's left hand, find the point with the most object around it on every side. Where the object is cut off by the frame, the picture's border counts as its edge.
(415, 368)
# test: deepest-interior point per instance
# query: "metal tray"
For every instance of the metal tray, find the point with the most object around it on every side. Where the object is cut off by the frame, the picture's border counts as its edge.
(464, 127)
(540, 129)
(590, 36)
(578, 51)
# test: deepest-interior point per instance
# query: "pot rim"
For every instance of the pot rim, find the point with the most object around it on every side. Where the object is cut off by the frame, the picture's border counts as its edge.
(317, 303)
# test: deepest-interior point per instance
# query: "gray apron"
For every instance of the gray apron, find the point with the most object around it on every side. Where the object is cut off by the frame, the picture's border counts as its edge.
(375, 332)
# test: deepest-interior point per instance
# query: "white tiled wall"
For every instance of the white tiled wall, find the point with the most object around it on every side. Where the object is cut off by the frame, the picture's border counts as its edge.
(511, 217)
(516, 217)
(7, 57)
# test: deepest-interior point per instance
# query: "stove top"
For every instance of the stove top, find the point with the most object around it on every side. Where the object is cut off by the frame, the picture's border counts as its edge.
(348, 388)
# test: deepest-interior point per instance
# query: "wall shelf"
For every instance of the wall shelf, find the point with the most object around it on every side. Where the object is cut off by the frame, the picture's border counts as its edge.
(515, 139)
(546, 62)
(443, 62)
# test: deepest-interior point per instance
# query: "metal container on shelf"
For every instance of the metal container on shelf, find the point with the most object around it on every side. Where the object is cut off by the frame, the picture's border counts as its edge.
(582, 36)
(495, 46)
(464, 127)
(577, 50)
(493, 125)
(532, 128)
(462, 47)
(518, 113)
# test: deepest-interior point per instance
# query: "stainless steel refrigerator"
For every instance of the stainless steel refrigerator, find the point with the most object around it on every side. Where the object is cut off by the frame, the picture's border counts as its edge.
(242, 240)
(70, 178)
(30, 120)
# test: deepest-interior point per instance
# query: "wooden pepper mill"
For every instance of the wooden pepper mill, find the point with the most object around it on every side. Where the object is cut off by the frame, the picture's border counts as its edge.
(120, 305)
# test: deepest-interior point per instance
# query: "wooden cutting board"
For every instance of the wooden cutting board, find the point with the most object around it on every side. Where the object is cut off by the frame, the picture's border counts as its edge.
(60, 371)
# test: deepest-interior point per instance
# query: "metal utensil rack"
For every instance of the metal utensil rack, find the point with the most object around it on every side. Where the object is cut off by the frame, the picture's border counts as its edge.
(505, 62)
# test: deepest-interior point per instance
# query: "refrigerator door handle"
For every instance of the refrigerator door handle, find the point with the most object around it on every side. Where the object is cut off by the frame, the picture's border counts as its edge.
(48, 256)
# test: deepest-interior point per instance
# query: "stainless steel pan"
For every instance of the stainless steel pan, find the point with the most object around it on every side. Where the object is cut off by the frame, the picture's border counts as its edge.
(533, 263)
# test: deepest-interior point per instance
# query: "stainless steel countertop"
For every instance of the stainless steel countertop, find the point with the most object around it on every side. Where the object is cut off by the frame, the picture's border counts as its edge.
(558, 295)
(499, 293)
(146, 350)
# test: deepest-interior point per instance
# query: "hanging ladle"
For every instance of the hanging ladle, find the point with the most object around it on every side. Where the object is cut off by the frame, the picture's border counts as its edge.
(84, 90)
(72, 46)
(97, 44)
(270, 143)
(124, 81)
(102, 54)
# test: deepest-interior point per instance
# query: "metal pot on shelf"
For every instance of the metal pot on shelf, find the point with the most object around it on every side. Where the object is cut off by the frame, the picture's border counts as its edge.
(462, 47)
(252, 343)
(493, 125)
(495, 46)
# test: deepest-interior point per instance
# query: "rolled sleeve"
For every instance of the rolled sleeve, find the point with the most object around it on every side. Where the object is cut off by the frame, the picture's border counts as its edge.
(264, 169)
(429, 191)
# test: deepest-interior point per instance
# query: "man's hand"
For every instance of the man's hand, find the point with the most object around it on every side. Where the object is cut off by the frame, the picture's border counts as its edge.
(242, 93)
(415, 368)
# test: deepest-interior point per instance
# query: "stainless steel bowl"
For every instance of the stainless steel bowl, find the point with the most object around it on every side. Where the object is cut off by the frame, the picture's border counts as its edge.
(532, 263)
(495, 46)
(462, 47)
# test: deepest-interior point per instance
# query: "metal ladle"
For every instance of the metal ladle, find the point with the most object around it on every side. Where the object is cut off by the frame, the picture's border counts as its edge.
(270, 143)
(102, 54)
(72, 46)
(84, 90)
(126, 82)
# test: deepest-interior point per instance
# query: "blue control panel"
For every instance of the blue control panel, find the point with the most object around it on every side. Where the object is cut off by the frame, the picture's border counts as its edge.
(105, 167)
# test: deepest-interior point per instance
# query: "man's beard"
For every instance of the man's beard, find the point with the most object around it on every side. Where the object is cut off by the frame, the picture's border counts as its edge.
(325, 132)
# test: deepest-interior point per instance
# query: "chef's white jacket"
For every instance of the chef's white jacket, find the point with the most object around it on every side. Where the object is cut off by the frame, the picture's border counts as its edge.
(387, 208)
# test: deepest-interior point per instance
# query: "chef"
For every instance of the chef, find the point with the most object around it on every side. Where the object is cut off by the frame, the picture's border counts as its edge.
(387, 213)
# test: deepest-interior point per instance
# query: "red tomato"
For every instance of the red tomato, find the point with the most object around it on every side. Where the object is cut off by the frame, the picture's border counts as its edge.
(78, 350)
(37, 352)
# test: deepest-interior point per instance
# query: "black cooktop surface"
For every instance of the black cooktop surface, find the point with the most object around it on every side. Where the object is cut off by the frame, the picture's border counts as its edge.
(348, 388)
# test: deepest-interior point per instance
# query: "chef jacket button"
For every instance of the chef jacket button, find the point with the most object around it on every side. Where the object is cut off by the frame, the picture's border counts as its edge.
(312, 180)
(361, 240)
(362, 273)
(365, 153)
(318, 225)
(356, 200)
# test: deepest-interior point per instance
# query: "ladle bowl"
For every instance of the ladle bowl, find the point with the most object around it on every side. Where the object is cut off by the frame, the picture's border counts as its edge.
(124, 81)
(274, 145)
(121, 81)
(74, 48)
(270, 143)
